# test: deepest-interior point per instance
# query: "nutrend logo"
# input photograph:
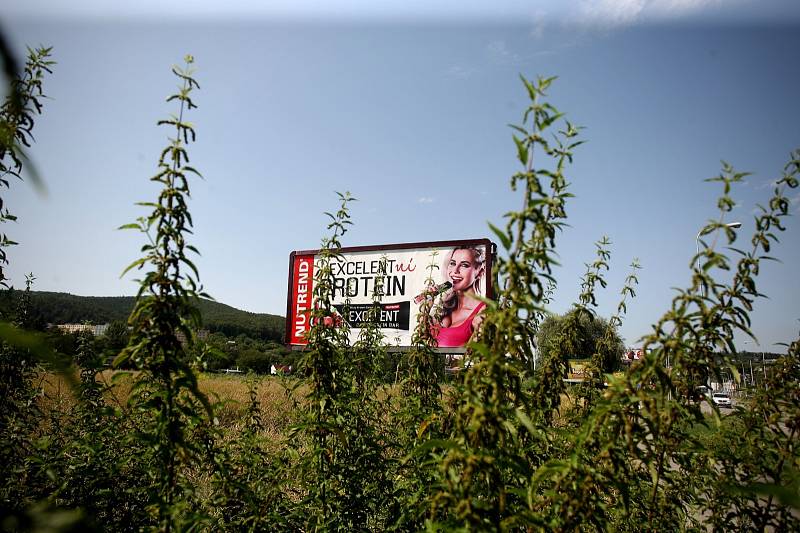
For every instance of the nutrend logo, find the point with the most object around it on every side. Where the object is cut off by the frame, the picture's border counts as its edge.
(301, 297)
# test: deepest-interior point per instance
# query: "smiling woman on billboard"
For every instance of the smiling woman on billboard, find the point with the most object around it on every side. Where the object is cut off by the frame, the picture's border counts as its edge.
(460, 312)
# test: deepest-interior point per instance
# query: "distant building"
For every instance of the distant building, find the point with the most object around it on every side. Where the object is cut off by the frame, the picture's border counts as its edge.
(280, 370)
(200, 334)
(98, 330)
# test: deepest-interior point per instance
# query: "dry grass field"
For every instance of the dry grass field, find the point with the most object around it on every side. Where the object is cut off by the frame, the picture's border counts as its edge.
(276, 398)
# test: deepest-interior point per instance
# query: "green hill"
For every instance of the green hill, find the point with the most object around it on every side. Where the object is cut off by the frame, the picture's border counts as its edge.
(64, 308)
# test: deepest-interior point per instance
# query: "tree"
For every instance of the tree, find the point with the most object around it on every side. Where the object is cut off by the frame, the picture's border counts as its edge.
(586, 339)
(116, 336)
(255, 360)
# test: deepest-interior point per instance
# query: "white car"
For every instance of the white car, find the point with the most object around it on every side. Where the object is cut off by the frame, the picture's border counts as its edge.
(722, 399)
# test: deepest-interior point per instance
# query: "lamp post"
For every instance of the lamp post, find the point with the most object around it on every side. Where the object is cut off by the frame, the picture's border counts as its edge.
(763, 362)
(733, 225)
(752, 378)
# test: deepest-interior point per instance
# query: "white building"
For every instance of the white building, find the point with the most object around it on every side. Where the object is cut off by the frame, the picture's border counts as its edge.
(97, 330)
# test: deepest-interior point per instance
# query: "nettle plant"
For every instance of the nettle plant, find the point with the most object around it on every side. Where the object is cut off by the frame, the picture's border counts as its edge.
(19, 413)
(636, 461)
(17, 114)
(633, 460)
(494, 446)
(330, 406)
(163, 322)
(421, 384)
(607, 350)
(606, 356)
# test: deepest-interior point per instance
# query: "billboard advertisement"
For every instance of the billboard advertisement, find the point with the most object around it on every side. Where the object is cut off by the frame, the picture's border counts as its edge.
(448, 273)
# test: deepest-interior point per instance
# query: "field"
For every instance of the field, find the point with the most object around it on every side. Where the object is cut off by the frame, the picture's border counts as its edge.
(274, 396)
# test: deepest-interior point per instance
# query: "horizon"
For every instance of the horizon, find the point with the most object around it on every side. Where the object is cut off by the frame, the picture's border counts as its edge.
(627, 345)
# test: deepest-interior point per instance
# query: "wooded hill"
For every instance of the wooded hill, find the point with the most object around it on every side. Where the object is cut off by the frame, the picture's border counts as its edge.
(64, 308)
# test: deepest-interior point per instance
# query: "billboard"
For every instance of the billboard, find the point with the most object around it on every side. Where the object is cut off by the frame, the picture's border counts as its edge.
(450, 273)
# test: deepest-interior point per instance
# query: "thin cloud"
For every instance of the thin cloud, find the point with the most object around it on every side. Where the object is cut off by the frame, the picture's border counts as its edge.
(618, 13)
(610, 12)
(459, 72)
(794, 201)
(768, 184)
(681, 7)
(540, 20)
(426, 200)
(537, 30)
(500, 53)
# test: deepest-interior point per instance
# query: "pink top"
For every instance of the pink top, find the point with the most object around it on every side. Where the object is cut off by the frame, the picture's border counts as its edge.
(458, 335)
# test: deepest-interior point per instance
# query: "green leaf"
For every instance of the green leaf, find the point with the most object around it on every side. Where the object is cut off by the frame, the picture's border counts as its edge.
(504, 238)
(522, 150)
(526, 421)
(136, 264)
(433, 444)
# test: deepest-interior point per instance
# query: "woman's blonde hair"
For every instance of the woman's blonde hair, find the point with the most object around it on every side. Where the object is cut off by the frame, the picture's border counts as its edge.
(450, 300)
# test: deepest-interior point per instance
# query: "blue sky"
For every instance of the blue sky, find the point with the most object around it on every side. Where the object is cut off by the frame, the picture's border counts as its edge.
(406, 105)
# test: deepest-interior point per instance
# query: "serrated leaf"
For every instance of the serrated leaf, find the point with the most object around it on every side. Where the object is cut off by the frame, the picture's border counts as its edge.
(522, 150)
(504, 238)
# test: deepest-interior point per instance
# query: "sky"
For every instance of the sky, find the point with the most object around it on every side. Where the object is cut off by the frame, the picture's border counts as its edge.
(407, 106)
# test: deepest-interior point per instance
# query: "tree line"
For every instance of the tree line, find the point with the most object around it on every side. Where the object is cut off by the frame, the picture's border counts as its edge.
(64, 308)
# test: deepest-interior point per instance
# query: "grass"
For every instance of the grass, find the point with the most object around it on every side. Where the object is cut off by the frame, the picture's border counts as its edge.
(277, 398)
(276, 401)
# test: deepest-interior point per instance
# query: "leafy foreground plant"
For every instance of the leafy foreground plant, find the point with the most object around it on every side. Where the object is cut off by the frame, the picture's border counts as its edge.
(18, 364)
(19, 416)
(420, 418)
(635, 463)
(165, 398)
(494, 447)
(338, 443)
(23, 103)
(632, 462)
(20, 351)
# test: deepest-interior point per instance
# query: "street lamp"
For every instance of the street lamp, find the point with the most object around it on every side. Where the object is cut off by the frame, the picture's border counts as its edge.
(752, 377)
(733, 225)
